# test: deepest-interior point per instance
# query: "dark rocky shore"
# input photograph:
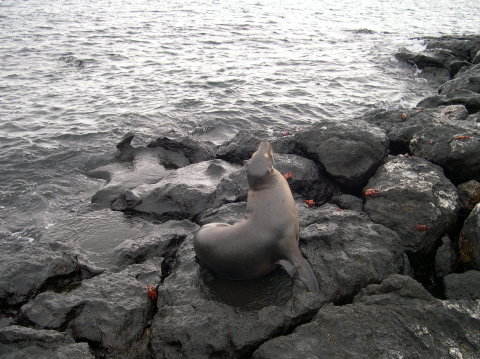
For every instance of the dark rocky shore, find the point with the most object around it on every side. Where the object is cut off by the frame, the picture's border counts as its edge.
(392, 232)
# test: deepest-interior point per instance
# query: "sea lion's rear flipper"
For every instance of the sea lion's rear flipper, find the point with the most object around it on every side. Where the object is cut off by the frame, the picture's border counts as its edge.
(301, 271)
(288, 266)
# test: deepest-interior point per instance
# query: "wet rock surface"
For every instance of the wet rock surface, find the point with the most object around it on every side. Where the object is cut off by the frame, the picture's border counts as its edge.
(109, 311)
(469, 194)
(395, 319)
(195, 151)
(185, 193)
(414, 199)
(462, 285)
(30, 268)
(22, 342)
(347, 251)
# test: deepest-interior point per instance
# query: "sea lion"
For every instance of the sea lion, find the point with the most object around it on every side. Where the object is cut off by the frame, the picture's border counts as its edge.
(266, 238)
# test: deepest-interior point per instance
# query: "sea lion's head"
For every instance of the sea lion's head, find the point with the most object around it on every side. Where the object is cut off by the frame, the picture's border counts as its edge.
(261, 164)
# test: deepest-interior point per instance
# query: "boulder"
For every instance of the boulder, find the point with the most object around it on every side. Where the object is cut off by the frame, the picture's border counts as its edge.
(122, 176)
(395, 319)
(463, 47)
(30, 268)
(474, 118)
(195, 151)
(233, 187)
(469, 240)
(155, 244)
(184, 193)
(350, 151)
(403, 124)
(241, 147)
(111, 310)
(469, 194)
(414, 198)
(306, 179)
(22, 342)
(425, 59)
(462, 285)
(347, 201)
(229, 213)
(446, 258)
(467, 98)
(453, 145)
(468, 79)
(347, 251)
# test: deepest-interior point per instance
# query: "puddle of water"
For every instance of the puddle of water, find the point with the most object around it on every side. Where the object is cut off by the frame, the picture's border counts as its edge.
(273, 289)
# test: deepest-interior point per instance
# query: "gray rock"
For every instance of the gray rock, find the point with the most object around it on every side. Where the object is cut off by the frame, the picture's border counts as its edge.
(463, 47)
(414, 199)
(402, 125)
(445, 258)
(122, 176)
(347, 201)
(476, 58)
(347, 251)
(440, 59)
(138, 250)
(469, 240)
(203, 317)
(21, 342)
(462, 285)
(469, 194)
(245, 143)
(229, 213)
(469, 99)
(475, 118)
(455, 146)
(195, 151)
(30, 268)
(185, 193)
(233, 187)
(398, 319)
(350, 151)
(111, 310)
(468, 79)
(307, 180)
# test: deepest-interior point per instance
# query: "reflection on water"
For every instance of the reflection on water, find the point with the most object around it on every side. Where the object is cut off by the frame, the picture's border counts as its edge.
(272, 289)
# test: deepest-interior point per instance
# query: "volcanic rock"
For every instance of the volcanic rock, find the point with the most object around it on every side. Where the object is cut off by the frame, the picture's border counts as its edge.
(415, 199)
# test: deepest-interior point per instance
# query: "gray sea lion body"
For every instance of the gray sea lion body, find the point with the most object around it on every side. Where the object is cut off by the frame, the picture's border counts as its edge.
(266, 238)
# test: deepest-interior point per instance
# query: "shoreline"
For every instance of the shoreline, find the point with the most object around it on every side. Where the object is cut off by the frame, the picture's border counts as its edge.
(394, 218)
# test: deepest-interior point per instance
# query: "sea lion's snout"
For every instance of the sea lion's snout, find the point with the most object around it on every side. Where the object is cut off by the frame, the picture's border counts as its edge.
(261, 164)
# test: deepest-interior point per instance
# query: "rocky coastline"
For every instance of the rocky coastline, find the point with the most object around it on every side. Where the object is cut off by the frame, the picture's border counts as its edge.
(389, 210)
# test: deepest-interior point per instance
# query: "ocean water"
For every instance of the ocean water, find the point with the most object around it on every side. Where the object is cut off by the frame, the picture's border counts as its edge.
(77, 75)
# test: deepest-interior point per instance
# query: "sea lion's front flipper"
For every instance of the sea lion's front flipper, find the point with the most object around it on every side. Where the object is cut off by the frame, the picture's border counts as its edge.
(301, 271)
